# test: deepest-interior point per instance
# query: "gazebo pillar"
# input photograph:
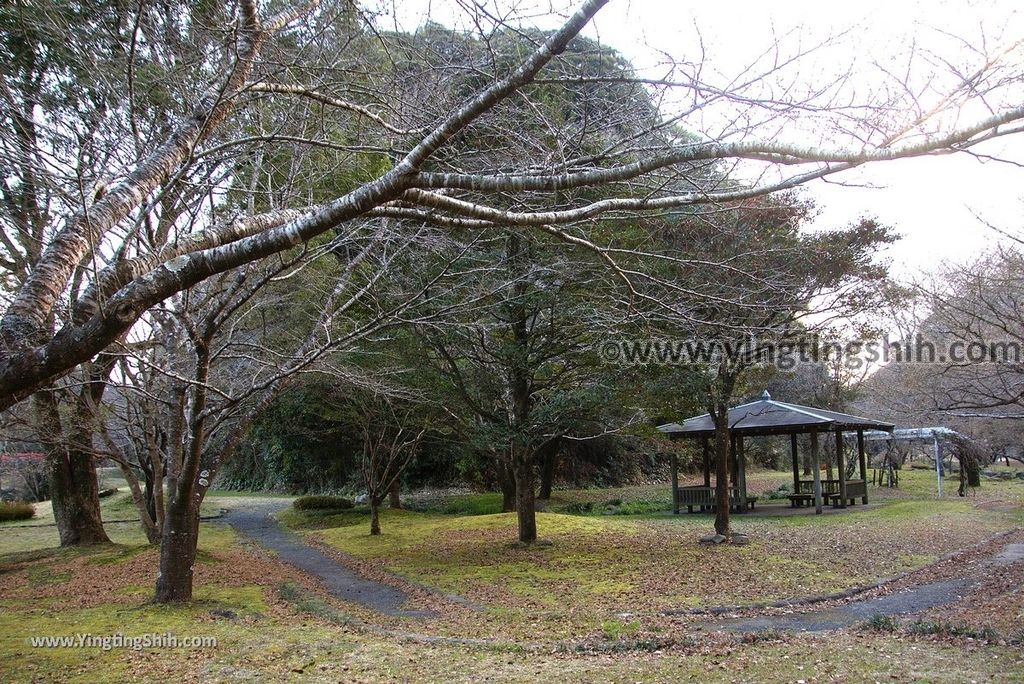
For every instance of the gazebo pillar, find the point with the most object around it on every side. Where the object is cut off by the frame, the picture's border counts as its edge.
(796, 463)
(816, 461)
(706, 455)
(741, 460)
(733, 468)
(841, 464)
(675, 483)
(863, 463)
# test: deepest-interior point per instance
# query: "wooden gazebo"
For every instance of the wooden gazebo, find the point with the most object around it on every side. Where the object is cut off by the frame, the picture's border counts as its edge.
(769, 417)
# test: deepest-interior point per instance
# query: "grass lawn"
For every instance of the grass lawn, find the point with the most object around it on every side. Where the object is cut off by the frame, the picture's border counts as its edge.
(597, 566)
(584, 608)
(122, 525)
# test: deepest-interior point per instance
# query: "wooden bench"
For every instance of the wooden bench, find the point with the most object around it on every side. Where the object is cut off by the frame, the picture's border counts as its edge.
(829, 492)
(797, 500)
(704, 497)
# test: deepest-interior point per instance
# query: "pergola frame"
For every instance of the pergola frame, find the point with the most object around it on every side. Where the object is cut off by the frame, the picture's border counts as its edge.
(767, 417)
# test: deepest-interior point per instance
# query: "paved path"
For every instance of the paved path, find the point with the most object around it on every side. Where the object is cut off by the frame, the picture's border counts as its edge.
(913, 600)
(252, 518)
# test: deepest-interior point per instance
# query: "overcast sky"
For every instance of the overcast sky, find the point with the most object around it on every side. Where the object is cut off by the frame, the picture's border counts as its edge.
(932, 202)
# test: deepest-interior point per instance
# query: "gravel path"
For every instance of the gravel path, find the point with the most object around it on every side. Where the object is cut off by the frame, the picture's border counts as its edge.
(252, 518)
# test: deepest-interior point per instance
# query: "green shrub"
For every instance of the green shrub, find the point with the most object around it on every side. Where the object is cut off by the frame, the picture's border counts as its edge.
(459, 504)
(317, 503)
(781, 492)
(956, 629)
(642, 507)
(16, 510)
(579, 508)
(881, 623)
(615, 507)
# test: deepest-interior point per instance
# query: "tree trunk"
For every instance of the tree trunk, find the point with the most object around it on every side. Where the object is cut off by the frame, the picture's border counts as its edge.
(178, 551)
(722, 470)
(508, 489)
(74, 489)
(375, 502)
(395, 494)
(150, 495)
(526, 512)
(74, 492)
(548, 461)
(143, 500)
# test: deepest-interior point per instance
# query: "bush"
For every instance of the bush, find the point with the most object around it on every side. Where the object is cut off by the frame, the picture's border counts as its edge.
(642, 507)
(454, 504)
(317, 503)
(953, 629)
(781, 492)
(881, 623)
(16, 510)
(579, 508)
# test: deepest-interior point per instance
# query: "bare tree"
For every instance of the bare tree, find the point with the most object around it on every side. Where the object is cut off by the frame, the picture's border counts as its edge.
(162, 195)
(976, 325)
(34, 355)
(960, 362)
(217, 356)
(390, 442)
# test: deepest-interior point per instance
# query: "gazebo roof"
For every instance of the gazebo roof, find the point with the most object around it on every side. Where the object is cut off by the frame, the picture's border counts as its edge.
(769, 417)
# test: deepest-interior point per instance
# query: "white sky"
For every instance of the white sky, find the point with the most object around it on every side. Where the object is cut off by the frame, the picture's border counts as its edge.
(931, 202)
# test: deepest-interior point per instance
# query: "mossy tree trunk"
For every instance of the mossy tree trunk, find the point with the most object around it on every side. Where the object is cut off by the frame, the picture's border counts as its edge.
(375, 502)
(547, 456)
(720, 415)
(508, 488)
(71, 467)
(178, 545)
(526, 505)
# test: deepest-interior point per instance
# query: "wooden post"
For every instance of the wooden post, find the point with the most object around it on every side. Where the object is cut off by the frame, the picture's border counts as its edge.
(742, 461)
(796, 464)
(863, 463)
(841, 464)
(734, 470)
(816, 463)
(706, 447)
(675, 483)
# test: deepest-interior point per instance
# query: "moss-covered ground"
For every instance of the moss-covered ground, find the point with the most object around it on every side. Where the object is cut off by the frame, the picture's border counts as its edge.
(585, 607)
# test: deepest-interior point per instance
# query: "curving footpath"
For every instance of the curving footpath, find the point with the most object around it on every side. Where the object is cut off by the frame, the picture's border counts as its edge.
(253, 518)
(913, 600)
